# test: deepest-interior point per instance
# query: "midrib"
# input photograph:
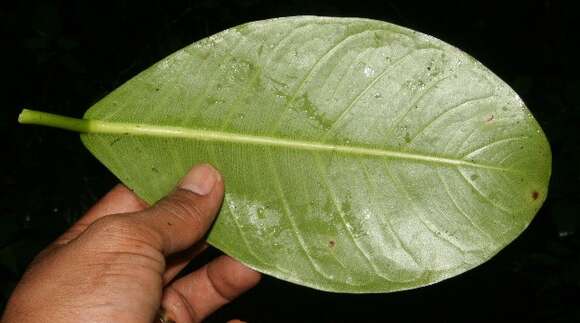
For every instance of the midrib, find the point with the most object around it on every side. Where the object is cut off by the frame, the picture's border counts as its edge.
(122, 128)
(106, 127)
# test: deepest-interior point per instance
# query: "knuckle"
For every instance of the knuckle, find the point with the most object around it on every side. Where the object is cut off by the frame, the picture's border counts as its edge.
(123, 230)
(224, 289)
(175, 300)
(181, 205)
(116, 225)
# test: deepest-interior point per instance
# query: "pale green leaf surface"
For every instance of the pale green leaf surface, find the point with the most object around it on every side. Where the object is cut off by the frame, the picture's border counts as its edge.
(359, 156)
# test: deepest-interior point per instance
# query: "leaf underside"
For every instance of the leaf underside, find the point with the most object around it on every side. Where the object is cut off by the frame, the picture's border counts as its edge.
(358, 156)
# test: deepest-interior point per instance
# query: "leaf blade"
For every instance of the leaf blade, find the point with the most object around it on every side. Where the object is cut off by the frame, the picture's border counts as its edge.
(323, 127)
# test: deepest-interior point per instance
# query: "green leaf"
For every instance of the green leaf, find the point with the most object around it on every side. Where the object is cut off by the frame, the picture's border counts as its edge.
(359, 156)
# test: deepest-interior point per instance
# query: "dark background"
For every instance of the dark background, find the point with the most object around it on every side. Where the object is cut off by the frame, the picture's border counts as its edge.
(62, 56)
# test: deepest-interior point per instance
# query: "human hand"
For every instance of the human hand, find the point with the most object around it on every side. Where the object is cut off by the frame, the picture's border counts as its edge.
(119, 261)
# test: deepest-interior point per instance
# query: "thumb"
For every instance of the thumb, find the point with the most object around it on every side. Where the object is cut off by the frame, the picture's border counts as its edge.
(184, 216)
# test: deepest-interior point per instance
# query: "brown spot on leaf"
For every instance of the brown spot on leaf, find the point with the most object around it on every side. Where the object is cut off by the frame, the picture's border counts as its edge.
(489, 118)
(535, 195)
(331, 243)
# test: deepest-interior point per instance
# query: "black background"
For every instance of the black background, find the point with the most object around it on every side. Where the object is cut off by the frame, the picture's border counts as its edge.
(62, 56)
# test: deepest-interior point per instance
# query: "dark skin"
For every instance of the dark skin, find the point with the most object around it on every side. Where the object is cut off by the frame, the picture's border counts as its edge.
(119, 261)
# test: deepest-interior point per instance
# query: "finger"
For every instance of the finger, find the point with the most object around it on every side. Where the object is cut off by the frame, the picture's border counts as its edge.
(176, 262)
(119, 200)
(182, 218)
(195, 296)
